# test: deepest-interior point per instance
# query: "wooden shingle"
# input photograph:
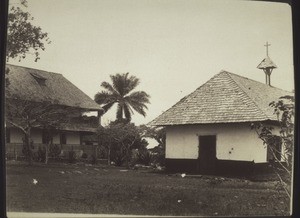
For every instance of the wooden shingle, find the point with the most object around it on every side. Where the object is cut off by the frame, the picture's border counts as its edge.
(225, 98)
(38, 85)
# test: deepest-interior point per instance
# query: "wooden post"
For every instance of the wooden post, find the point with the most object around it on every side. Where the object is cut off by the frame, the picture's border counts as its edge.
(15, 152)
(99, 117)
(108, 154)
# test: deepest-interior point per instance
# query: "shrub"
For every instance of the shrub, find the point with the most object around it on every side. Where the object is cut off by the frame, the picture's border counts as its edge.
(144, 157)
(72, 157)
(78, 154)
(40, 154)
(93, 159)
(158, 154)
(159, 159)
(54, 151)
(84, 156)
(118, 157)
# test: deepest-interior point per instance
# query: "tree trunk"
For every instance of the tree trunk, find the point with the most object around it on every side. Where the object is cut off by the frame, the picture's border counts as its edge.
(127, 157)
(48, 143)
(108, 155)
(47, 153)
(96, 154)
(28, 145)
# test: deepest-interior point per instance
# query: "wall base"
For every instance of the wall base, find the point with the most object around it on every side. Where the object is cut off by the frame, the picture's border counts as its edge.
(222, 167)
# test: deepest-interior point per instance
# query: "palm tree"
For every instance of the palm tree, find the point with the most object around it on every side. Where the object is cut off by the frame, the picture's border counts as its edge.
(120, 92)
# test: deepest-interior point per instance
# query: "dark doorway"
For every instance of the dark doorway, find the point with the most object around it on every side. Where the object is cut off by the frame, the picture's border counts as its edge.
(207, 154)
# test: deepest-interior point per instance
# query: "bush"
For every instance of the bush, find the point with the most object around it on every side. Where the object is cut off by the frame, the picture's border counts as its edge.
(54, 151)
(78, 154)
(159, 159)
(72, 157)
(118, 158)
(84, 156)
(93, 159)
(144, 157)
(40, 154)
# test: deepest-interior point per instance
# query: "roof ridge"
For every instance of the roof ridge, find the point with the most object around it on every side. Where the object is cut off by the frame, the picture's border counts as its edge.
(183, 98)
(228, 73)
(35, 69)
(58, 87)
(225, 71)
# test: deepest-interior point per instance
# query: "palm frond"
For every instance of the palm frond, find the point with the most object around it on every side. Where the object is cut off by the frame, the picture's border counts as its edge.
(139, 107)
(130, 84)
(118, 83)
(118, 92)
(108, 106)
(109, 88)
(139, 96)
(123, 83)
(105, 97)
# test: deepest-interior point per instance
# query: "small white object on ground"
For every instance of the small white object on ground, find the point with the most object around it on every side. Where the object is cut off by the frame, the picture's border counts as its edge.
(179, 201)
(34, 181)
(183, 175)
(77, 171)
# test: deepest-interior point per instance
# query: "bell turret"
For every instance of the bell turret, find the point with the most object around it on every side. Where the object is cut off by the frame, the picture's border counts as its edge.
(267, 65)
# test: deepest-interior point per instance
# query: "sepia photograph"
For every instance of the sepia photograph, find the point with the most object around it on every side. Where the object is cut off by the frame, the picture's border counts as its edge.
(132, 108)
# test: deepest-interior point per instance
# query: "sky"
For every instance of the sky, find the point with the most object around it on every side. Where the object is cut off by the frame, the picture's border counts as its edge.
(173, 46)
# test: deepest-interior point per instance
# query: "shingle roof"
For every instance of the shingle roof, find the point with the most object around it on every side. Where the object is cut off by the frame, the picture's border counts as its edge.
(266, 63)
(24, 83)
(225, 98)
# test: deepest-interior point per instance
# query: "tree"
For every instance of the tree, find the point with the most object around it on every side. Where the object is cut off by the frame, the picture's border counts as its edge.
(22, 36)
(25, 38)
(120, 138)
(280, 145)
(46, 115)
(121, 92)
(159, 134)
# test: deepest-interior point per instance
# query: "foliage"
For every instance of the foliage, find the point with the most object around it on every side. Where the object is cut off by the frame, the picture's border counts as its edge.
(282, 158)
(54, 151)
(84, 156)
(118, 156)
(121, 92)
(22, 36)
(46, 115)
(40, 155)
(158, 152)
(71, 156)
(145, 157)
(157, 133)
(120, 139)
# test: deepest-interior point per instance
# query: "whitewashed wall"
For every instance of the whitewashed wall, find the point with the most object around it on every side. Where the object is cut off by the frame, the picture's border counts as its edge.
(36, 135)
(56, 139)
(73, 138)
(234, 142)
(16, 136)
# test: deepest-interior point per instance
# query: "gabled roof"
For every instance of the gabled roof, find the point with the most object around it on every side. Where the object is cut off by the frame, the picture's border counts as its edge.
(266, 63)
(225, 98)
(25, 84)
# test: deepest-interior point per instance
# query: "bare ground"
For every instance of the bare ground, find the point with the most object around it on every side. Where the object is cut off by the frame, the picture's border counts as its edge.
(101, 189)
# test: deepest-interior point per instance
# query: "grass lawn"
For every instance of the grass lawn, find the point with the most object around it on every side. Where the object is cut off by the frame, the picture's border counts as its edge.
(80, 188)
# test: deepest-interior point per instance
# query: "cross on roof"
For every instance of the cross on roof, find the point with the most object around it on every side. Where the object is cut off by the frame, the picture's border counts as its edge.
(267, 45)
